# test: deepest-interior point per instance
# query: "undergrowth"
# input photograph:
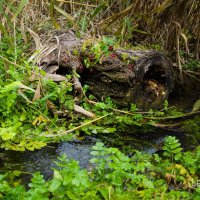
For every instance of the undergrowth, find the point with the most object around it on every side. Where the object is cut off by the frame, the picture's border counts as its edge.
(174, 174)
(31, 105)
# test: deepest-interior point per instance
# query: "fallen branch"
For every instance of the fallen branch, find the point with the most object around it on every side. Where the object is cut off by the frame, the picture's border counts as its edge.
(174, 117)
(78, 127)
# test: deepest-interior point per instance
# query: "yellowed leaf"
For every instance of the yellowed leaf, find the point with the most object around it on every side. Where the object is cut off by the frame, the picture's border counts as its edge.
(39, 119)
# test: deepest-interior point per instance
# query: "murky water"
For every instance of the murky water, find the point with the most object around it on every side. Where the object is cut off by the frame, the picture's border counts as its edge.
(43, 160)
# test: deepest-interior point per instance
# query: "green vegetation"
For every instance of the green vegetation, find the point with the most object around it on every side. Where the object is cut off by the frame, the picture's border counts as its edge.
(96, 51)
(172, 175)
(36, 111)
(30, 105)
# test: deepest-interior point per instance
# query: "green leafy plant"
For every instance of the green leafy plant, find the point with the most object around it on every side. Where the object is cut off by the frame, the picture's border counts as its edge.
(113, 176)
(97, 51)
(189, 62)
(172, 148)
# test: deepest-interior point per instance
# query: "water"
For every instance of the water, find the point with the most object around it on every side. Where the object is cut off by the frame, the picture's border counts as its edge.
(43, 160)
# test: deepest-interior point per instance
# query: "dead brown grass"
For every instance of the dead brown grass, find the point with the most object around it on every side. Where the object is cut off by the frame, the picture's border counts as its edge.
(172, 23)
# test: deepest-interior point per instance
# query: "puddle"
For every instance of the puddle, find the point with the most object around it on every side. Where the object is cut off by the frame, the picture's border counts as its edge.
(43, 160)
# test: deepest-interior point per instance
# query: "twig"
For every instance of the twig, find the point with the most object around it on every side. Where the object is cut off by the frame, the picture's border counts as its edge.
(174, 117)
(121, 111)
(166, 125)
(192, 72)
(10, 61)
(191, 76)
(5, 170)
(156, 118)
(78, 127)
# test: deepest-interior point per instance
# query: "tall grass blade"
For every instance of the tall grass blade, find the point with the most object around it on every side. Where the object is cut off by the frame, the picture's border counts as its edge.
(84, 23)
(97, 10)
(110, 20)
(56, 25)
(3, 29)
(19, 9)
(66, 15)
(163, 6)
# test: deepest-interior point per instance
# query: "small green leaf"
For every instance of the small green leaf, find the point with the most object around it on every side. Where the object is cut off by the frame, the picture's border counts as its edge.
(99, 146)
(7, 135)
(94, 160)
(57, 175)
(22, 117)
(80, 178)
(147, 183)
(55, 184)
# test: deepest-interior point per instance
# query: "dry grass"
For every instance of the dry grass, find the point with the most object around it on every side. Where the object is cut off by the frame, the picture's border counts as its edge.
(174, 23)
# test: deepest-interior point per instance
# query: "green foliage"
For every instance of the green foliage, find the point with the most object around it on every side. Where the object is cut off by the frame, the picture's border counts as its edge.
(172, 148)
(24, 122)
(189, 62)
(38, 187)
(69, 180)
(29, 123)
(192, 128)
(114, 176)
(97, 10)
(97, 51)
